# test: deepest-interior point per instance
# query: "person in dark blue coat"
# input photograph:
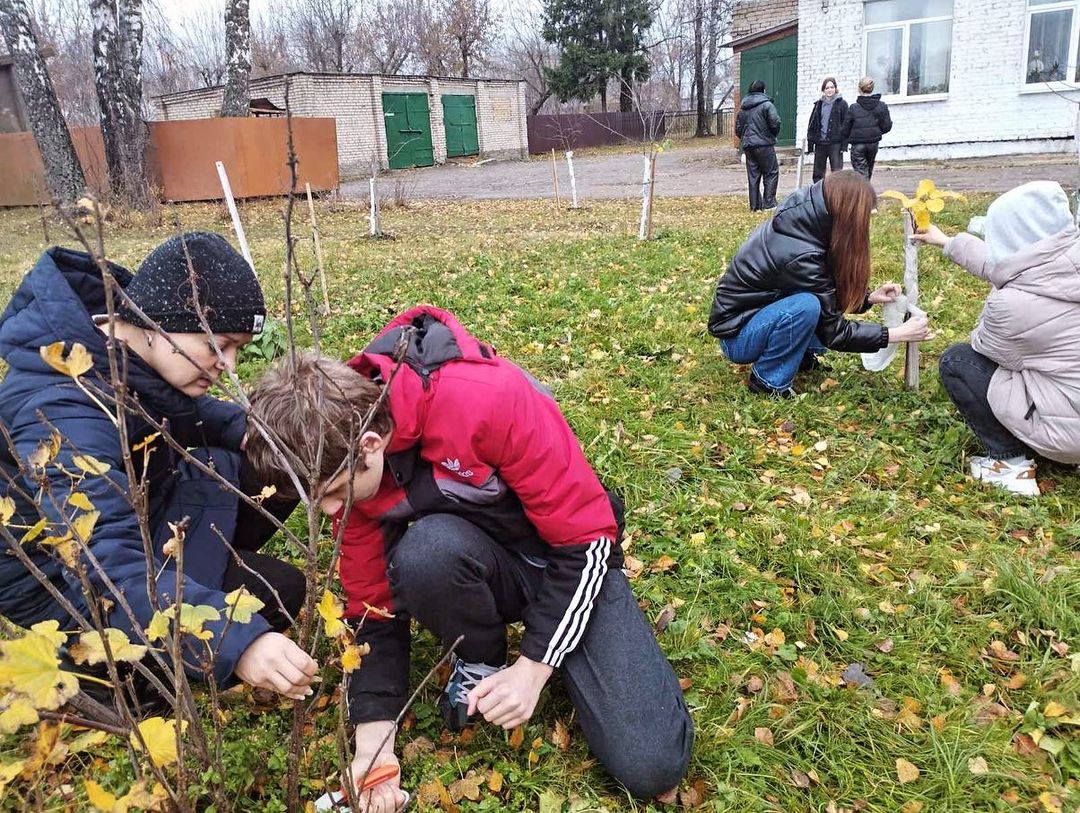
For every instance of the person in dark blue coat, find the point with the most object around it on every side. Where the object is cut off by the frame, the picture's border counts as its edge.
(62, 299)
(782, 301)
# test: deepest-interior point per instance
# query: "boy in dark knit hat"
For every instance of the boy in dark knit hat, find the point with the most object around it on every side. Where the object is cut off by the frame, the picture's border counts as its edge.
(63, 300)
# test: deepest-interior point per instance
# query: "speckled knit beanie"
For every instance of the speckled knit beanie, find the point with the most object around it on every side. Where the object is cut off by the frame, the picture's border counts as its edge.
(229, 291)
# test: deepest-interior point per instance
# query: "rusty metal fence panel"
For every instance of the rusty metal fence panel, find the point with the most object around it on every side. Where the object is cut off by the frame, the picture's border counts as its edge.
(181, 158)
(567, 131)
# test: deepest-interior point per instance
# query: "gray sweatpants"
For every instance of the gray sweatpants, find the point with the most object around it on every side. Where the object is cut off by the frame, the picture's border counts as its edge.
(456, 580)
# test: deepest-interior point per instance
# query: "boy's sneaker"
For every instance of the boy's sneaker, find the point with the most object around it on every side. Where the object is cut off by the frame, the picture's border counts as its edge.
(1015, 474)
(756, 385)
(454, 701)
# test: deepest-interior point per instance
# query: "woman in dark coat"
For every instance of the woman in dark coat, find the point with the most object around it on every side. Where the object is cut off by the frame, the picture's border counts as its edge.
(62, 300)
(824, 133)
(782, 300)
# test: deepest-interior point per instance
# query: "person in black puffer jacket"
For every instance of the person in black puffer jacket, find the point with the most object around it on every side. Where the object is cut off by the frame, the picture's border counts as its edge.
(825, 130)
(782, 301)
(866, 122)
(757, 126)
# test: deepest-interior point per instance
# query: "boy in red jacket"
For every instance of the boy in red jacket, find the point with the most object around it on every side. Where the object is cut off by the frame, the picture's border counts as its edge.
(473, 506)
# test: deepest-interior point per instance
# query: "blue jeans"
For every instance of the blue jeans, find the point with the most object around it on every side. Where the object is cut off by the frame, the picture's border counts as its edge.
(777, 338)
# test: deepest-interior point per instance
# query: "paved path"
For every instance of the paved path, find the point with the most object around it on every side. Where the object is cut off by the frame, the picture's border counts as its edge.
(694, 171)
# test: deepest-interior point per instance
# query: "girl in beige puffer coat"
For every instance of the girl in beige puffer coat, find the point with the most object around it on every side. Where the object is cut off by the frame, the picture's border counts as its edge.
(1017, 383)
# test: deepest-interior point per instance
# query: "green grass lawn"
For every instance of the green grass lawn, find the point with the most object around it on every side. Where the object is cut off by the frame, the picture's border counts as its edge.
(791, 539)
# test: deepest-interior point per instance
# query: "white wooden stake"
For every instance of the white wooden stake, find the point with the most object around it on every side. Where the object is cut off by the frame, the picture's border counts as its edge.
(318, 249)
(374, 227)
(555, 178)
(652, 193)
(799, 165)
(238, 227)
(646, 182)
(911, 288)
(573, 179)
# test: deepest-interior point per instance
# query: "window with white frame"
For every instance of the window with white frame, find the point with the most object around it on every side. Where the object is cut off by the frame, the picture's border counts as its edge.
(1052, 32)
(908, 46)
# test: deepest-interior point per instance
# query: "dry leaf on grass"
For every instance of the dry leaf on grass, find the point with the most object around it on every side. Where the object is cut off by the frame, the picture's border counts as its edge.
(906, 771)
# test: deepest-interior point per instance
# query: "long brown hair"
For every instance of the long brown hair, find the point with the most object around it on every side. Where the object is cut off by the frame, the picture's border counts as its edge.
(849, 198)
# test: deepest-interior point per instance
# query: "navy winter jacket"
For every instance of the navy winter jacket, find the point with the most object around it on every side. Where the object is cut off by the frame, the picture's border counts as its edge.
(55, 302)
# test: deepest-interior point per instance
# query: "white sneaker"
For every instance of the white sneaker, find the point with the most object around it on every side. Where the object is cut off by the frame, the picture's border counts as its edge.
(1016, 474)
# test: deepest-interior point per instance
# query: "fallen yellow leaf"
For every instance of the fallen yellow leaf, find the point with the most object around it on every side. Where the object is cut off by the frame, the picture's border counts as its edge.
(906, 771)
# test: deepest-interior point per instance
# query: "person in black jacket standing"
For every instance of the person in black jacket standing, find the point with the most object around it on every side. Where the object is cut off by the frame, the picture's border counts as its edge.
(757, 126)
(866, 122)
(782, 300)
(825, 131)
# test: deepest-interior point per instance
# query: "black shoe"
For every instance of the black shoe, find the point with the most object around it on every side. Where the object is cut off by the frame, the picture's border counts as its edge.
(811, 363)
(756, 385)
(454, 701)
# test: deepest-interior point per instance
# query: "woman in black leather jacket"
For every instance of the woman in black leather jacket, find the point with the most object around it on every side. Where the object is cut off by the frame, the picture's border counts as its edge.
(782, 300)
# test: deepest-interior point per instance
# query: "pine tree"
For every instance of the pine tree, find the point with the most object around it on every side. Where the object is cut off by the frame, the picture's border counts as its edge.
(599, 40)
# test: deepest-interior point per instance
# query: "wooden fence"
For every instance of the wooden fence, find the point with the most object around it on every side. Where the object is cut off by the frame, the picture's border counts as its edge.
(568, 131)
(182, 155)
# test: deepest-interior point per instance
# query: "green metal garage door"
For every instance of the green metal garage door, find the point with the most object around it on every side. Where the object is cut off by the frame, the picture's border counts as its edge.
(408, 130)
(775, 64)
(459, 119)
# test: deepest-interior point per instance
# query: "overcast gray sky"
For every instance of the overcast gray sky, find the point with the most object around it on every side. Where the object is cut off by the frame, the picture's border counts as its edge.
(177, 11)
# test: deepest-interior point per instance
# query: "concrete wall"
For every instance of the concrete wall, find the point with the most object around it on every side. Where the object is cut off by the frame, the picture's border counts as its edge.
(356, 102)
(987, 110)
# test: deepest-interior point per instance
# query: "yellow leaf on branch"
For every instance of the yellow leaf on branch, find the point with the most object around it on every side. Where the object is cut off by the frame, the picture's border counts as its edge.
(30, 666)
(331, 610)
(193, 616)
(7, 510)
(78, 361)
(242, 605)
(83, 525)
(159, 735)
(159, 625)
(77, 499)
(91, 649)
(64, 546)
(928, 199)
(90, 464)
(352, 656)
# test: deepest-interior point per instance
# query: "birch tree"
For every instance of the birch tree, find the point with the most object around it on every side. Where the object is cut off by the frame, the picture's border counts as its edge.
(63, 174)
(237, 100)
(117, 41)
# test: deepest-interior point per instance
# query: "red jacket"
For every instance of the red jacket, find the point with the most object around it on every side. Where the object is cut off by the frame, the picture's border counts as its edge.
(477, 436)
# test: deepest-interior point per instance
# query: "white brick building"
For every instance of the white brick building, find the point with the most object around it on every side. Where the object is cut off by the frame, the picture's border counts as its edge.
(369, 134)
(962, 77)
